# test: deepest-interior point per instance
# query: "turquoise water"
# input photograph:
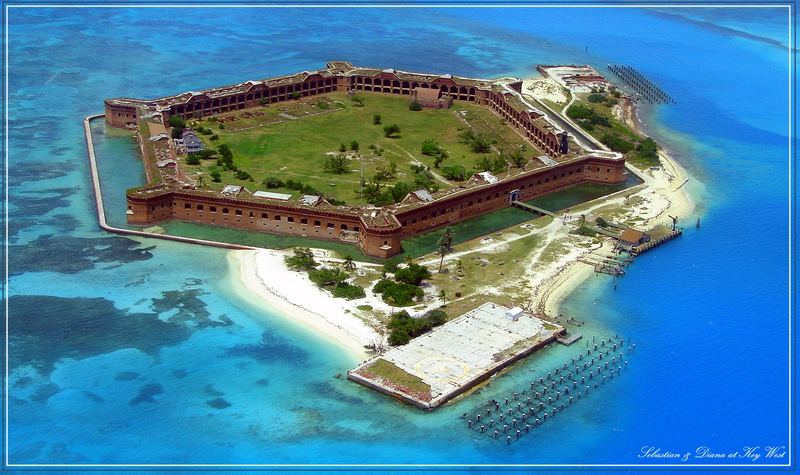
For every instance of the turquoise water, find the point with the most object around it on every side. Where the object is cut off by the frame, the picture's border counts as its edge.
(138, 351)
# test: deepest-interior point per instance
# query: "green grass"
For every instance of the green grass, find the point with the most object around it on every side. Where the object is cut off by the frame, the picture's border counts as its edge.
(296, 149)
(391, 372)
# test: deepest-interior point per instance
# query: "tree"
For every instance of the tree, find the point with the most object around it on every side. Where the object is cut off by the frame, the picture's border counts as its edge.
(177, 121)
(440, 157)
(201, 181)
(226, 157)
(348, 263)
(430, 147)
(336, 163)
(358, 101)
(443, 297)
(215, 176)
(264, 101)
(192, 159)
(342, 147)
(383, 173)
(415, 106)
(518, 159)
(376, 119)
(301, 259)
(390, 131)
(354, 145)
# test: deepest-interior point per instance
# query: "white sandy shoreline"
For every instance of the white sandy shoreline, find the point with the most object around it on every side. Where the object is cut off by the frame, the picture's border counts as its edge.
(262, 278)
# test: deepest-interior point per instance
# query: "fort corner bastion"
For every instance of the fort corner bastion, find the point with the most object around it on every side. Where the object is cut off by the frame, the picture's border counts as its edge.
(377, 231)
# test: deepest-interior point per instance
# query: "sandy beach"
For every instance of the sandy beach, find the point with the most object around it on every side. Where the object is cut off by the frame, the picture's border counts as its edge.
(664, 195)
(264, 279)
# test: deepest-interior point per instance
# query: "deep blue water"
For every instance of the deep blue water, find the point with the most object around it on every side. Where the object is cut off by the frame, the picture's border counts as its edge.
(136, 351)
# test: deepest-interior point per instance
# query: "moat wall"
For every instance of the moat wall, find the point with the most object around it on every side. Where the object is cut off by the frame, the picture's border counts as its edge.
(345, 226)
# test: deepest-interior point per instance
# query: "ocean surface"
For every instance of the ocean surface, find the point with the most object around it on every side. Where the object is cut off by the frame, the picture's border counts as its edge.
(136, 351)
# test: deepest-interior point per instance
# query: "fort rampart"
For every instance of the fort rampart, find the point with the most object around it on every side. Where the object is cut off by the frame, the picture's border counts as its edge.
(377, 231)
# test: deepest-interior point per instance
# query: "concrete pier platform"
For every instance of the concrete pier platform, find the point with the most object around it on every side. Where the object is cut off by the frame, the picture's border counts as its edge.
(449, 360)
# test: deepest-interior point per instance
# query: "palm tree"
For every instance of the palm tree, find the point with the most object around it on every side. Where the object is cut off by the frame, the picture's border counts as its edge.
(443, 297)
(348, 263)
(201, 181)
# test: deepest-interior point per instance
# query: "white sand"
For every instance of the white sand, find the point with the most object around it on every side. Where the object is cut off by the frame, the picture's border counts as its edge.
(266, 280)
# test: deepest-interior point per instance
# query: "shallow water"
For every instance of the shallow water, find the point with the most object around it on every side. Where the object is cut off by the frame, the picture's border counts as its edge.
(137, 351)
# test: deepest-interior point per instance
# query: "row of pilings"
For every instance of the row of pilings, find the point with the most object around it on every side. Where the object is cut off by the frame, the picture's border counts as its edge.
(521, 412)
(645, 89)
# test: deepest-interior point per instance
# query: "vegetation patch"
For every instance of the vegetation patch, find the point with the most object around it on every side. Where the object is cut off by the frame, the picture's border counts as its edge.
(596, 117)
(398, 378)
(402, 327)
(334, 280)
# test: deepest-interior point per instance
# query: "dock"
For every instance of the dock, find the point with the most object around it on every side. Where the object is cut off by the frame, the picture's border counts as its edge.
(642, 248)
(444, 363)
(567, 339)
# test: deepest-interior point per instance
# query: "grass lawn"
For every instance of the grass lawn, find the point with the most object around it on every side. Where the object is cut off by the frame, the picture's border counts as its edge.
(272, 144)
(391, 372)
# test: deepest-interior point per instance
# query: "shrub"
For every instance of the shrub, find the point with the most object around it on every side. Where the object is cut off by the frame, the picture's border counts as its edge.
(215, 176)
(376, 119)
(214, 137)
(391, 130)
(477, 142)
(518, 158)
(455, 172)
(412, 274)
(272, 182)
(647, 152)
(295, 95)
(242, 175)
(327, 276)
(596, 98)
(301, 259)
(430, 147)
(397, 294)
(192, 159)
(617, 143)
(415, 106)
(403, 328)
(383, 173)
(348, 291)
(342, 147)
(585, 231)
(601, 222)
(353, 145)
(177, 121)
(390, 266)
